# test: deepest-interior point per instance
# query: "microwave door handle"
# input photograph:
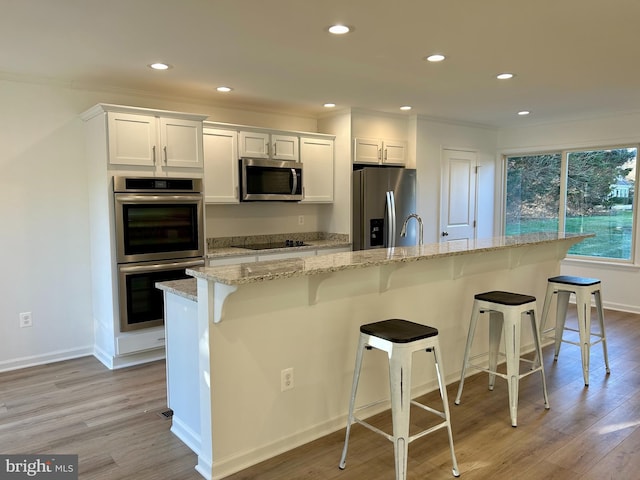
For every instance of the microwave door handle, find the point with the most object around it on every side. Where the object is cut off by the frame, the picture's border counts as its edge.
(295, 181)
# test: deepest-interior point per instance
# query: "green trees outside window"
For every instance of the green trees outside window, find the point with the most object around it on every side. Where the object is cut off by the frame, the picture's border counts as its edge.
(576, 191)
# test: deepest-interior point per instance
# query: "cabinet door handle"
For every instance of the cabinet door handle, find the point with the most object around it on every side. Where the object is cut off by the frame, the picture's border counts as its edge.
(379, 153)
(154, 154)
(165, 154)
(385, 153)
(236, 192)
(275, 149)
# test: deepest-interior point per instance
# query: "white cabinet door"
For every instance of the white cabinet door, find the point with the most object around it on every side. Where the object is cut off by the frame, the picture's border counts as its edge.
(367, 150)
(132, 139)
(394, 152)
(379, 151)
(181, 142)
(158, 144)
(220, 166)
(266, 145)
(317, 157)
(253, 144)
(284, 147)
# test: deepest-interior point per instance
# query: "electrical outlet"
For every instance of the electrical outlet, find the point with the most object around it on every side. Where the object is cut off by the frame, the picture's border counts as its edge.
(300, 219)
(25, 320)
(286, 379)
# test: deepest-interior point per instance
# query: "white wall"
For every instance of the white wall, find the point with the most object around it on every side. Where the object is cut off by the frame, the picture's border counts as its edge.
(44, 245)
(431, 137)
(619, 282)
(338, 216)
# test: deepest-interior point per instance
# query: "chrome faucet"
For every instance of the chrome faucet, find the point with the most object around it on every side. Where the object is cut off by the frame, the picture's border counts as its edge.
(403, 232)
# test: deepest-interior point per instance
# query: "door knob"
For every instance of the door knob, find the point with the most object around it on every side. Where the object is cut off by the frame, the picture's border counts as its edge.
(445, 234)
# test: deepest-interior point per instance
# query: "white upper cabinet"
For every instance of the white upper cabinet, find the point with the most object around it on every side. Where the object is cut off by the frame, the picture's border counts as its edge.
(367, 150)
(285, 147)
(132, 139)
(379, 151)
(181, 143)
(317, 156)
(152, 143)
(394, 152)
(254, 144)
(266, 145)
(220, 166)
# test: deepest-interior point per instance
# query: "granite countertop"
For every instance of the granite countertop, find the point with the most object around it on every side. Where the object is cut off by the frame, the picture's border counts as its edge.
(310, 245)
(296, 267)
(186, 288)
(230, 246)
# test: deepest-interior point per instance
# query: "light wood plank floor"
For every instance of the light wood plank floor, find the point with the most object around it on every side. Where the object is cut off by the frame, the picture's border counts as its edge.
(111, 419)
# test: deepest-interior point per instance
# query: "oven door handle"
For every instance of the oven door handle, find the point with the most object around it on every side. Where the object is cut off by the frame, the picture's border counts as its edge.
(127, 197)
(160, 266)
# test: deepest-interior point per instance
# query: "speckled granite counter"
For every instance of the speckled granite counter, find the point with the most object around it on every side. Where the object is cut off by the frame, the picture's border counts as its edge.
(230, 246)
(271, 270)
(186, 288)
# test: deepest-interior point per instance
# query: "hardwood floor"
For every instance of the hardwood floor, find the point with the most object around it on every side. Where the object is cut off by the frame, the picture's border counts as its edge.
(111, 420)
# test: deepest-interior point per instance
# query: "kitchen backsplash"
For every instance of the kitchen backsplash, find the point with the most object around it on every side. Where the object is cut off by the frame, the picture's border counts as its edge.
(221, 242)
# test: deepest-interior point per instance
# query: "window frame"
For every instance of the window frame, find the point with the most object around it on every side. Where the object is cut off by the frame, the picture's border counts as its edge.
(562, 204)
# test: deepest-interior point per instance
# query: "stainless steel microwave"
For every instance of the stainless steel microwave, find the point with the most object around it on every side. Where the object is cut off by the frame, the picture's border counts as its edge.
(270, 180)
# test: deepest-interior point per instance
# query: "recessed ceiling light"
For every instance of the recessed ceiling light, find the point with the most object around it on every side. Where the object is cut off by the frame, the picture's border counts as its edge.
(504, 76)
(160, 66)
(437, 57)
(329, 105)
(405, 107)
(524, 112)
(339, 29)
(224, 89)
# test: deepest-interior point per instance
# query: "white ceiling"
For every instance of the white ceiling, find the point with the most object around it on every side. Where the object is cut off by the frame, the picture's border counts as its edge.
(572, 58)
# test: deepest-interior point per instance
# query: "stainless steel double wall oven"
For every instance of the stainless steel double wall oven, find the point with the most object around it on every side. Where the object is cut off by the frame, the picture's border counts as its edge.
(159, 226)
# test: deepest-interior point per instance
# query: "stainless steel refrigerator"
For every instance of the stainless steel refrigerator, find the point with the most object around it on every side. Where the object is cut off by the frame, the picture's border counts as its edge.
(383, 197)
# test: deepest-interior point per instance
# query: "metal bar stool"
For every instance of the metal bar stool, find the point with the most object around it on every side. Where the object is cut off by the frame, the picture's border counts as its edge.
(400, 338)
(583, 288)
(505, 313)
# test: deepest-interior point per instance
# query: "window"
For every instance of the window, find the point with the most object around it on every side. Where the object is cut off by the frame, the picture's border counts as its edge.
(576, 191)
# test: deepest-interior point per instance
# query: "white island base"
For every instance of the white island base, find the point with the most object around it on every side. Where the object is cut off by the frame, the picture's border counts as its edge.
(253, 321)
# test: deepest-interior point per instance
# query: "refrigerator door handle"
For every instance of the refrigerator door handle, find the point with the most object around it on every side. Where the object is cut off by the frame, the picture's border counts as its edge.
(391, 220)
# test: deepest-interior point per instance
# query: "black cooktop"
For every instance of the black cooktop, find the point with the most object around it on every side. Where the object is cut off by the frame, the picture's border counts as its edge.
(267, 246)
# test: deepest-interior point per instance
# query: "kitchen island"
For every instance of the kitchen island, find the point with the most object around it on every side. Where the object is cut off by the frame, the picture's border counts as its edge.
(256, 320)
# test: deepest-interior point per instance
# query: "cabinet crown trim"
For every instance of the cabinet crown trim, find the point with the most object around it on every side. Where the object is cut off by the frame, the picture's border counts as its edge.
(101, 108)
(272, 131)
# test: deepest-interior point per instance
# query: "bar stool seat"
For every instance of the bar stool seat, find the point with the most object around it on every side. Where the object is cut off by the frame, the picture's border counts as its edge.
(505, 313)
(583, 288)
(400, 338)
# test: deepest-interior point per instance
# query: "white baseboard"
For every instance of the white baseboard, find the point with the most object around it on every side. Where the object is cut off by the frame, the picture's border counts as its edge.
(113, 362)
(34, 360)
(620, 307)
(190, 438)
(227, 466)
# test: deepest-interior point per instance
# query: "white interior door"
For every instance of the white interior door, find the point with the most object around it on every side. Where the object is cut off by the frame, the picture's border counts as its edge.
(458, 199)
